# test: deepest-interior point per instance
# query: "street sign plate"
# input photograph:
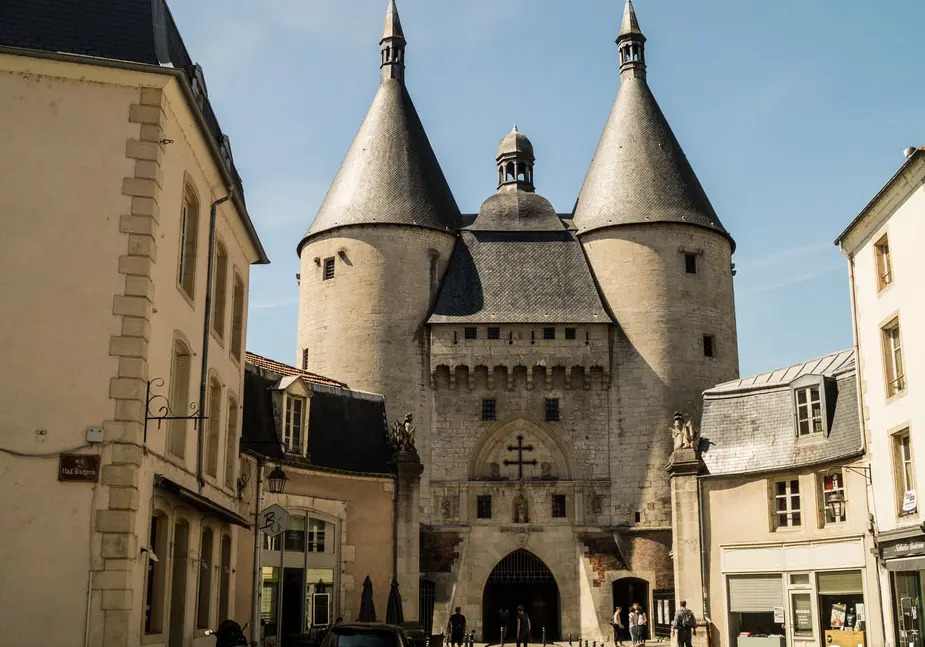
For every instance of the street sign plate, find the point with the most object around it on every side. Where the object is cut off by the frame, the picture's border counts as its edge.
(272, 521)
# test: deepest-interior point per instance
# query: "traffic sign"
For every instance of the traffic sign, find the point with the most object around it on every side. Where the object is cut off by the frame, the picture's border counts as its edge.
(273, 520)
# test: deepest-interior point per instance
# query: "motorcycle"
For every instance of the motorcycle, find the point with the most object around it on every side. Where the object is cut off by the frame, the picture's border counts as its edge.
(229, 634)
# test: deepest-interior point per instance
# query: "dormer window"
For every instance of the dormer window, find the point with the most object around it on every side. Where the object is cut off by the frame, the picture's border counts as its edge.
(294, 425)
(810, 406)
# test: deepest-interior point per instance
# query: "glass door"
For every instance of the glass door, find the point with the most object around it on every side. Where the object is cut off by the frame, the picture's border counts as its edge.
(908, 600)
(802, 627)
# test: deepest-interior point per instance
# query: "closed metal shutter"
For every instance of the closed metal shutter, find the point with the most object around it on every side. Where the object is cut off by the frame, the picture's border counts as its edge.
(755, 593)
(846, 582)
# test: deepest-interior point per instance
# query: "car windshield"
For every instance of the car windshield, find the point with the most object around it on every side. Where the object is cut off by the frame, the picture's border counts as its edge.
(348, 637)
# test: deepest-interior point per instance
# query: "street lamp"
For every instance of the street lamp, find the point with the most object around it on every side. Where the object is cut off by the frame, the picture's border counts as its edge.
(835, 501)
(277, 480)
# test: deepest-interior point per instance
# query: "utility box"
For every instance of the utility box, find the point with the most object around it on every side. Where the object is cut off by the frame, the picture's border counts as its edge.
(94, 434)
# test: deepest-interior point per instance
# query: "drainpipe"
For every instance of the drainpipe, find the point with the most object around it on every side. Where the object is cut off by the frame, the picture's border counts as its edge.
(206, 324)
(703, 562)
(255, 607)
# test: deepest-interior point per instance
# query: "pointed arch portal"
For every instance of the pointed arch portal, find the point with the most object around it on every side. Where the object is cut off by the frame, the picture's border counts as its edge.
(521, 578)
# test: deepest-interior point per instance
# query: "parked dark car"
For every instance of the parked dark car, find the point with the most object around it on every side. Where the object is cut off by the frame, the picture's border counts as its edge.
(365, 634)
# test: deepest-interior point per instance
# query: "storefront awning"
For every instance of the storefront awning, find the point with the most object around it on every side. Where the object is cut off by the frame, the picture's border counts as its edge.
(907, 564)
(199, 502)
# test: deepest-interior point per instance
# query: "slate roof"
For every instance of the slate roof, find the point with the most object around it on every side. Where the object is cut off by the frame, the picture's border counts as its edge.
(518, 277)
(347, 430)
(639, 173)
(513, 209)
(749, 427)
(140, 32)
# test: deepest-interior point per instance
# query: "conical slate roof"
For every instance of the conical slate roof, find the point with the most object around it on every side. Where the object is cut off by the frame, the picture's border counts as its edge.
(639, 173)
(390, 174)
(630, 24)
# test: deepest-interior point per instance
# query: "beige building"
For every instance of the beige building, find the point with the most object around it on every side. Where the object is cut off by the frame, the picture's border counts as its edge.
(333, 445)
(775, 512)
(540, 353)
(886, 268)
(119, 517)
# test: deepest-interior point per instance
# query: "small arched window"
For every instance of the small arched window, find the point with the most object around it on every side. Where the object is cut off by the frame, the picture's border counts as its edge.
(220, 288)
(179, 398)
(237, 317)
(189, 241)
(215, 429)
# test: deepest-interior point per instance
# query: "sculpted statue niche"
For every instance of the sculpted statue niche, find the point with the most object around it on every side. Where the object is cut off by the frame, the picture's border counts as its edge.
(683, 433)
(403, 435)
(521, 512)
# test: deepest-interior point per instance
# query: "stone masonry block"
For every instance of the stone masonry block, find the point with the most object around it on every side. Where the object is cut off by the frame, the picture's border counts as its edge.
(112, 580)
(116, 627)
(136, 265)
(152, 133)
(128, 346)
(128, 430)
(127, 455)
(152, 97)
(120, 564)
(136, 327)
(140, 187)
(133, 367)
(115, 521)
(127, 388)
(149, 170)
(139, 286)
(123, 498)
(139, 245)
(139, 114)
(130, 410)
(144, 150)
(129, 224)
(117, 599)
(146, 207)
(119, 545)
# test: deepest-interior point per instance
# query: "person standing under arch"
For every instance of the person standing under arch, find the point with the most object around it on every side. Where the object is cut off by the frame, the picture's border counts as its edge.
(523, 627)
(457, 628)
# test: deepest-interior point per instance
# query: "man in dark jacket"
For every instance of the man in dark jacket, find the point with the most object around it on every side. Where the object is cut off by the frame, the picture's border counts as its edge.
(685, 624)
(457, 628)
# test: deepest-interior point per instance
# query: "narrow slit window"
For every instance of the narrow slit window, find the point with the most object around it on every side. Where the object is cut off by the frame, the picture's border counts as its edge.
(304, 359)
(709, 347)
(552, 409)
(558, 506)
(471, 333)
(484, 506)
(328, 269)
(690, 263)
(489, 409)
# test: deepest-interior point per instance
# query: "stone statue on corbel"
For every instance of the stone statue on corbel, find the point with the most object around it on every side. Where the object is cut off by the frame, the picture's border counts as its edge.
(685, 439)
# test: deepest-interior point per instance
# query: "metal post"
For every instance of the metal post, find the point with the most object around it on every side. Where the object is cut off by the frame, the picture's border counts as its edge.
(258, 549)
(544, 636)
(570, 640)
(279, 589)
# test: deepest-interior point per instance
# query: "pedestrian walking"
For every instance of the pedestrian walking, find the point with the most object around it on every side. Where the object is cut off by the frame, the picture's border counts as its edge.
(685, 625)
(504, 618)
(457, 628)
(523, 627)
(641, 625)
(617, 624)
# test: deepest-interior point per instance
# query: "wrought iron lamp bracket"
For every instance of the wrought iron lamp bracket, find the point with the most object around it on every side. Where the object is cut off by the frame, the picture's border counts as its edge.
(157, 407)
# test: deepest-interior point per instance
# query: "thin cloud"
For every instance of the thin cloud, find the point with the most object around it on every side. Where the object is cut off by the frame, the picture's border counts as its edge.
(790, 281)
(274, 306)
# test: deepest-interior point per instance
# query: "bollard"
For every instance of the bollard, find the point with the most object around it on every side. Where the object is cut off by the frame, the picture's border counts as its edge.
(544, 636)
(594, 643)
(570, 640)
(501, 631)
(586, 642)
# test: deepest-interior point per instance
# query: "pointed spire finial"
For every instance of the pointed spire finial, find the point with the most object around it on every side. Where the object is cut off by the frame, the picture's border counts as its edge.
(514, 130)
(630, 25)
(392, 45)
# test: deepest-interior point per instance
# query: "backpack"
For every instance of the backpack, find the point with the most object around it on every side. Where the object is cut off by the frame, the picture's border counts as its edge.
(687, 620)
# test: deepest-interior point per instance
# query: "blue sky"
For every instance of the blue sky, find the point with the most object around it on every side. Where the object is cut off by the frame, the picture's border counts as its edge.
(793, 113)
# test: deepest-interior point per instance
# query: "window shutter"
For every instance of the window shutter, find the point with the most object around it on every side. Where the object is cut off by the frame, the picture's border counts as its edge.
(755, 593)
(844, 583)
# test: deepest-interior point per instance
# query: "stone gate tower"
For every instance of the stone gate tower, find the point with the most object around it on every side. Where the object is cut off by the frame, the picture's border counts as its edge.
(663, 263)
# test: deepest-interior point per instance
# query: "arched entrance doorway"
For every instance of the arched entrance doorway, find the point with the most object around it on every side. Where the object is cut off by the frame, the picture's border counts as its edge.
(629, 591)
(521, 578)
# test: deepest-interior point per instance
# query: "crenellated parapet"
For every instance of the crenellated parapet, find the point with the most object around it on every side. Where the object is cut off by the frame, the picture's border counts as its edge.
(520, 357)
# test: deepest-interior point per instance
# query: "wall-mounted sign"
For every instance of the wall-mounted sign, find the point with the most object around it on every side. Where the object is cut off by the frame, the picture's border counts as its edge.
(79, 467)
(903, 548)
(909, 502)
(779, 615)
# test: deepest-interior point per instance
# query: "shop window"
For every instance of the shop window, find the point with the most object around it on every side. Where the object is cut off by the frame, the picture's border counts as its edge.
(316, 536)
(801, 614)
(833, 486)
(269, 586)
(907, 598)
(156, 554)
(295, 534)
(840, 593)
(788, 511)
(204, 564)
(484, 506)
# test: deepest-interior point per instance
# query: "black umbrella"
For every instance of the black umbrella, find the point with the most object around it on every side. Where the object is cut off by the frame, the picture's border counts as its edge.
(367, 607)
(393, 613)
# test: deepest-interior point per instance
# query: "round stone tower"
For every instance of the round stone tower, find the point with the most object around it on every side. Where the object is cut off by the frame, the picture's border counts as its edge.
(663, 263)
(373, 257)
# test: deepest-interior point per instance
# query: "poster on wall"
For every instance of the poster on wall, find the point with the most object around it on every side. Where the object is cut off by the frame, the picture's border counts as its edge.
(660, 612)
(859, 610)
(838, 615)
(779, 615)
(909, 502)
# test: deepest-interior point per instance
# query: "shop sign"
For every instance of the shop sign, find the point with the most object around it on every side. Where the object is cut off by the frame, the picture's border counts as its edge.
(904, 548)
(79, 467)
